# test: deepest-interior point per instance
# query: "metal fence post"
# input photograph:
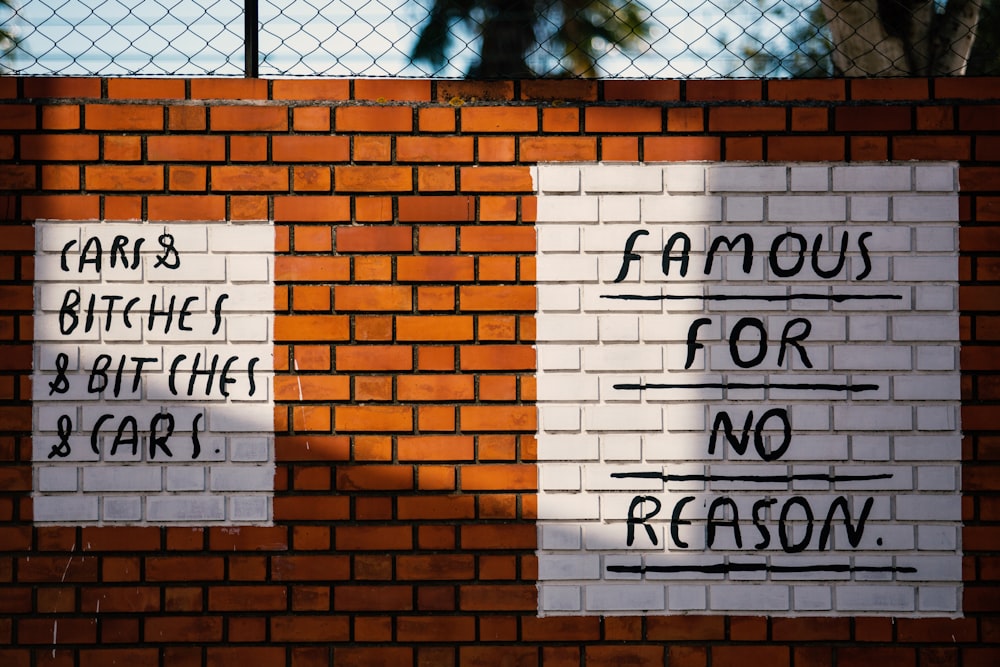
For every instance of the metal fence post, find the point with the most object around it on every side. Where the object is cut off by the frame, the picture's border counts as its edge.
(251, 51)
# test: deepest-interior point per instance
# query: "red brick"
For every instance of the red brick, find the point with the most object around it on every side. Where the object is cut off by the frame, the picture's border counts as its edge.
(746, 119)
(52, 147)
(400, 90)
(435, 269)
(740, 656)
(374, 239)
(132, 599)
(18, 117)
(806, 148)
(495, 179)
(810, 119)
(869, 149)
(497, 357)
(57, 631)
(352, 298)
(17, 177)
(500, 418)
(747, 149)
(55, 568)
(372, 148)
(374, 538)
(228, 89)
(373, 179)
(456, 92)
(827, 90)
(311, 119)
(186, 148)
(560, 119)
(250, 118)
(305, 148)
(637, 655)
(496, 298)
(490, 239)
(619, 120)
(642, 91)
(434, 328)
(374, 119)
(671, 149)
(715, 91)
(872, 119)
(495, 149)
(881, 88)
(436, 179)
(257, 178)
(258, 656)
(61, 117)
(436, 120)
(428, 628)
(132, 657)
(936, 118)
(437, 209)
(434, 149)
(499, 477)
(187, 118)
(499, 119)
(311, 328)
(856, 656)
(932, 148)
(374, 358)
(310, 89)
(558, 149)
(247, 598)
(375, 478)
(373, 418)
(35, 87)
(196, 207)
(146, 89)
(312, 209)
(123, 117)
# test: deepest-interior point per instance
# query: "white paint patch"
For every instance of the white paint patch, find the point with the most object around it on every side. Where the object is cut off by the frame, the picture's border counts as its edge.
(748, 389)
(152, 383)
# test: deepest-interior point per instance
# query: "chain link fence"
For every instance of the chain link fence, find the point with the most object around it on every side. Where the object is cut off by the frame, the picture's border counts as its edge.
(500, 38)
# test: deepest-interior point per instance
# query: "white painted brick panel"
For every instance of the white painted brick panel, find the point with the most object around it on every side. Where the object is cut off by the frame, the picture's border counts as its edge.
(857, 178)
(203, 252)
(810, 179)
(747, 179)
(684, 178)
(806, 208)
(619, 209)
(899, 435)
(924, 208)
(611, 598)
(608, 178)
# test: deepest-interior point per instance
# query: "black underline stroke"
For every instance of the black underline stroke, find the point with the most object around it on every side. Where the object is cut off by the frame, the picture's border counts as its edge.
(725, 568)
(856, 388)
(806, 477)
(837, 298)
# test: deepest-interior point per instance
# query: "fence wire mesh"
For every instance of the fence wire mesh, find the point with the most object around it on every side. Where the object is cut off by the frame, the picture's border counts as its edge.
(501, 38)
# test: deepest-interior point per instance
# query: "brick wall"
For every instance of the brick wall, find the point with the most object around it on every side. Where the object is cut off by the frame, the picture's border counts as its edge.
(404, 423)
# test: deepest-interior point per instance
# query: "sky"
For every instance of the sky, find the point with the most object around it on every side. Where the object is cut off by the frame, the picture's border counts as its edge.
(334, 38)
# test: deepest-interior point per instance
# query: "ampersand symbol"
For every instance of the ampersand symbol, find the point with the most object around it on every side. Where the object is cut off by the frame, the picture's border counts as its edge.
(64, 426)
(170, 258)
(61, 384)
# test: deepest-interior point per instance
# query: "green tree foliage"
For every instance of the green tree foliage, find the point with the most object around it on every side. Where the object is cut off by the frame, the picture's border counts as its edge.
(565, 36)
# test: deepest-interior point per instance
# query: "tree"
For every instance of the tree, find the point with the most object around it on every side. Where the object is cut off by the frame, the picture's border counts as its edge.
(8, 38)
(839, 37)
(573, 33)
(901, 37)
